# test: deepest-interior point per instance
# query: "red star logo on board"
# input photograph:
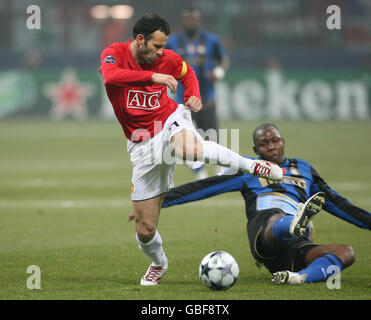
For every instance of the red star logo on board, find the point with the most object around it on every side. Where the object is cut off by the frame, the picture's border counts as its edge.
(69, 96)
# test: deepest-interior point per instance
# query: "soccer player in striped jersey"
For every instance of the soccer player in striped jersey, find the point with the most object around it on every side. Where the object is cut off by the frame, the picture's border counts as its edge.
(279, 214)
(205, 53)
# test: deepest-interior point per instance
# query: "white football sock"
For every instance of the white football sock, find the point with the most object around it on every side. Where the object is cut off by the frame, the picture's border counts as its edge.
(217, 154)
(153, 249)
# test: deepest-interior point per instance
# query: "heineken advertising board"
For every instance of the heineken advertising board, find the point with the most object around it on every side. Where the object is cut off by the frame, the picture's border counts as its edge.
(248, 95)
(315, 95)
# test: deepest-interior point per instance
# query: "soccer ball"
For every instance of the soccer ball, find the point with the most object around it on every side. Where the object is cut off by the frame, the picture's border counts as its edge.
(218, 270)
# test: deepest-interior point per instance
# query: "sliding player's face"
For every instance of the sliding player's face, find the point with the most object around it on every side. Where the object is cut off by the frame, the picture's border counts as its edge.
(153, 48)
(269, 145)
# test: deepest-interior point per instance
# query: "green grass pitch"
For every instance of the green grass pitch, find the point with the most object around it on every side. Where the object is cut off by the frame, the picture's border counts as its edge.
(65, 196)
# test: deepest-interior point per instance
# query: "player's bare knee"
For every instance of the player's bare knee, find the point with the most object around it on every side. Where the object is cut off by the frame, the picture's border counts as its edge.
(347, 255)
(344, 252)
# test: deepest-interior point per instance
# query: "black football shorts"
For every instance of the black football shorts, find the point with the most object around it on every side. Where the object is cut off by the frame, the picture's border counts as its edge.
(290, 257)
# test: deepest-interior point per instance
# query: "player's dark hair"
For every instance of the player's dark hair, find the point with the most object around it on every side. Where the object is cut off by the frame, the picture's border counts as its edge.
(263, 126)
(150, 23)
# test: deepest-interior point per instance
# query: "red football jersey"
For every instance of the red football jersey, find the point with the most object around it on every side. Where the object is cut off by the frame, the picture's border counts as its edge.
(136, 100)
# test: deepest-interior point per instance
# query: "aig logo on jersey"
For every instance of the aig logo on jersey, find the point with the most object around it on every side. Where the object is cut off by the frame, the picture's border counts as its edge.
(143, 100)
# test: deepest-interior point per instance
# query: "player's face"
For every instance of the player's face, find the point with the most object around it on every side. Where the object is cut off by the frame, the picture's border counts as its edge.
(269, 145)
(191, 22)
(149, 51)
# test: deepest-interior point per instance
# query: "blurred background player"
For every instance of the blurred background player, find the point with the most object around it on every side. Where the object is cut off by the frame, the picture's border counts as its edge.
(279, 214)
(205, 53)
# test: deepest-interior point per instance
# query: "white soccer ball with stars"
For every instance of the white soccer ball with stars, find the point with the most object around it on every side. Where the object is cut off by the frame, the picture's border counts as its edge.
(218, 270)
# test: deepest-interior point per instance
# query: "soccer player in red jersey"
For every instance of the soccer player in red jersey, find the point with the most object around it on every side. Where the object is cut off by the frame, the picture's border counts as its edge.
(137, 75)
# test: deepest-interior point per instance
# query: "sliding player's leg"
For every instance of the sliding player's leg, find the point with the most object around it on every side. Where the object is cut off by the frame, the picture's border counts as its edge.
(284, 228)
(295, 260)
(322, 262)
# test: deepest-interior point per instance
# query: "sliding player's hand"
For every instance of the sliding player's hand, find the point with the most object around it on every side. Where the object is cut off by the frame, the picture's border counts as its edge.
(193, 104)
(166, 80)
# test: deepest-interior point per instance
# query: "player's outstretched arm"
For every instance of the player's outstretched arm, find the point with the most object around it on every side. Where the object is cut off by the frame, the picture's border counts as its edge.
(203, 189)
(340, 206)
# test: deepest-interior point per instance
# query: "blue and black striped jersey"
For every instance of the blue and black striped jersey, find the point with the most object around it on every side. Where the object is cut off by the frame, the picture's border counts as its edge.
(202, 54)
(300, 182)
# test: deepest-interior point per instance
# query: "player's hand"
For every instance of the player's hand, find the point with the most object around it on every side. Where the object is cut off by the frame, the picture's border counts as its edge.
(166, 80)
(193, 103)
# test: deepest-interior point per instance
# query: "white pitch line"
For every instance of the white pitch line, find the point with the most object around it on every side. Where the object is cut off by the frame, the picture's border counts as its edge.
(80, 204)
(60, 166)
(75, 204)
(64, 204)
(53, 183)
(89, 183)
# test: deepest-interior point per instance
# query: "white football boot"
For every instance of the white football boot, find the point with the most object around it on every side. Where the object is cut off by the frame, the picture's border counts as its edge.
(153, 275)
(288, 277)
(266, 169)
(306, 212)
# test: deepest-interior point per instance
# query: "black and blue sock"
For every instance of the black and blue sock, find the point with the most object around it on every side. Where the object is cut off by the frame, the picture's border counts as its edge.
(319, 269)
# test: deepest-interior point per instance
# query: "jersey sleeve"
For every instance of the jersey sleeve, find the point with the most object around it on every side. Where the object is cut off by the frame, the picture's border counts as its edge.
(338, 205)
(219, 51)
(190, 82)
(183, 72)
(113, 73)
(203, 189)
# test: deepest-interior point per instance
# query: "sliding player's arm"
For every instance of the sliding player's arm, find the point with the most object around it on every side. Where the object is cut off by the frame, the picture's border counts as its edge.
(203, 189)
(340, 206)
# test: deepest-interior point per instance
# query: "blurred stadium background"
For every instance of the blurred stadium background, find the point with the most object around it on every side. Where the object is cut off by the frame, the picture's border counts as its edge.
(286, 63)
(65, 175)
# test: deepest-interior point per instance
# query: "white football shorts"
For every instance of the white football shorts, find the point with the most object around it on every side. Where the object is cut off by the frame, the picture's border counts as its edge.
(152, 159)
